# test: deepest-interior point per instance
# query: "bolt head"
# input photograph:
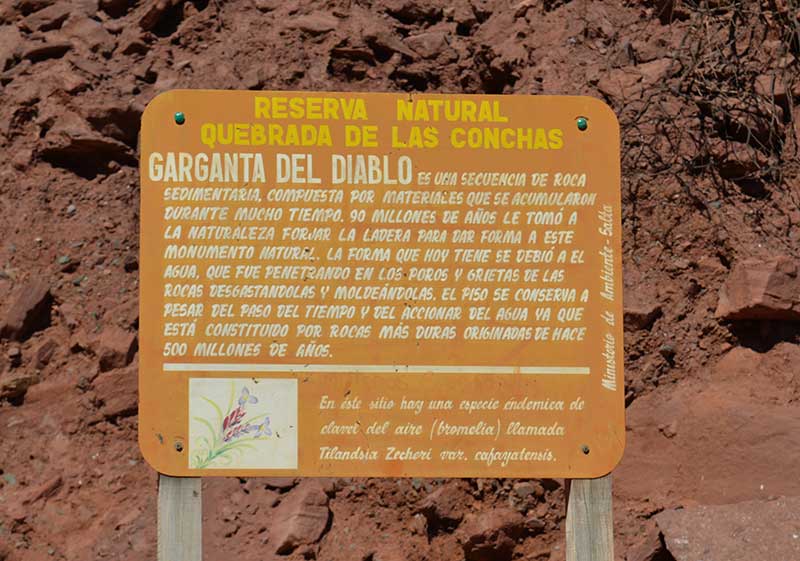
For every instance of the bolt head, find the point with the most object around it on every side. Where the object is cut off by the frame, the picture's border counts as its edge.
(583, 123)
(180, 118)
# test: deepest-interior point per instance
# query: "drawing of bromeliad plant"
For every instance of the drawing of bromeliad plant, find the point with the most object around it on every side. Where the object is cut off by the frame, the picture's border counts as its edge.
(232, 434)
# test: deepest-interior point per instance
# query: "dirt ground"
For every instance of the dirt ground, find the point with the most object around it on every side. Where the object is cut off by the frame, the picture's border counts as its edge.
(707, 94)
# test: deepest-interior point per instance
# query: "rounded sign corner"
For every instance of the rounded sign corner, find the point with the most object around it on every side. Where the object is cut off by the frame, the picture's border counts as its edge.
(153, 459)
(599, 108)
(613, 462)
(167, 97)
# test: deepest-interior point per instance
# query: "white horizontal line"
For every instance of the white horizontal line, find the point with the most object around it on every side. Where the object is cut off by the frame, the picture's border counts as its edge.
(375, 368)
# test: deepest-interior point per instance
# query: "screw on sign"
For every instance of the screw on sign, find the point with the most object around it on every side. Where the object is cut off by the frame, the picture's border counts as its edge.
(381, 285)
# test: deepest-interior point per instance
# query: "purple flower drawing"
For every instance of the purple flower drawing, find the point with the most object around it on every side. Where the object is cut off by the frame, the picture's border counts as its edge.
(231, 433)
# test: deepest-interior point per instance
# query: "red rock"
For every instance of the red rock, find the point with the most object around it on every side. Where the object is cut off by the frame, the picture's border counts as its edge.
(428, 44)
(20, 508)
(665, 10)
(90, 33)
(761, 290)
(771, 375)
(550, 484)
(491, 535)
(651, 549)
(116, 118)
(10, 46)
(279, 483)
(50, 49)
(115, 8)
(14, 385)
(125, 314)
(737, 421)
(28, 6)
(71, 143)
(620, 84)
(16, 511)
(383, 39)
(87, 8)
(51, 17)
(268, 5)
(419, 525)
(774, 87)
(43, 491)
(156, 10)
(655, 71)
(29, 311)
(14, 355)
(116, 348)
(329, 485)
(315, 23)
(523, 489)
(737, 532)
(630, 82)
(388, 552)
(300, 519)
(669, 430)
(464, 16)
(80, 342)
(132, 43)
(71, 81)
(736, 160)
(444, 508)
(117, 392)
(642, 316)
(521, 8)
(534, 523)
(130, 263)
(751, 120)
(44, 353)
(411, 11)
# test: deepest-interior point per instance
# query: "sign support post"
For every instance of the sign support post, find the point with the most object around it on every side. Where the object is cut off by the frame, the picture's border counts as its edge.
(180, 519)
(590, 524)
(590, 528)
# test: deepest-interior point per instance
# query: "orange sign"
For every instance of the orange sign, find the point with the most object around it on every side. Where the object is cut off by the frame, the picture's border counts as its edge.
(342, 284)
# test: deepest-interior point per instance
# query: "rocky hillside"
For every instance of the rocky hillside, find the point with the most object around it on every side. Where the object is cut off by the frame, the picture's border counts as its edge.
(708, 97)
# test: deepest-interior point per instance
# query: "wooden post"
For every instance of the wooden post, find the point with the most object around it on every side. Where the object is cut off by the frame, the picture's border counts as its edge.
(180, 519)
(590, 524)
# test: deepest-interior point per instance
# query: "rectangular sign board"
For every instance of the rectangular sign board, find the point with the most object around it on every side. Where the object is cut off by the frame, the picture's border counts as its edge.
(347, 284)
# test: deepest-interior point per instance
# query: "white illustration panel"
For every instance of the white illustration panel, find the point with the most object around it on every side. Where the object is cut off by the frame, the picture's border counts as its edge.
(242, 423)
